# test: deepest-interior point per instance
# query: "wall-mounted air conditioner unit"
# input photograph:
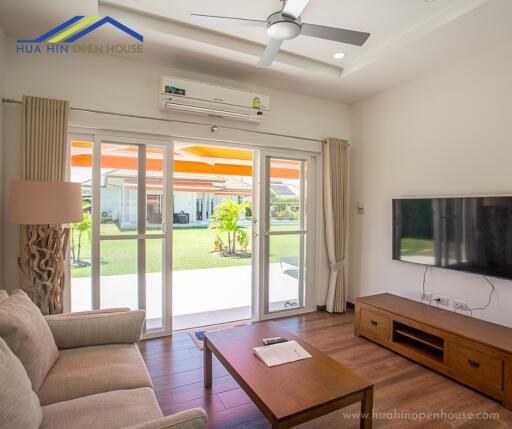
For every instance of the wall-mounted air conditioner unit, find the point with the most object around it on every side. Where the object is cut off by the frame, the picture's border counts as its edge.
(188, 96)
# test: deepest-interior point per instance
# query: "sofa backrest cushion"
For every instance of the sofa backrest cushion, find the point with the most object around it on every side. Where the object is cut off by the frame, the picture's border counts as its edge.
(96, 328)
(19, 405)
(27, 334)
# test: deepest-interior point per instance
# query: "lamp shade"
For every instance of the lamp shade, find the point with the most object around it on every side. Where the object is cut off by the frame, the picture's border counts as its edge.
(41, 203)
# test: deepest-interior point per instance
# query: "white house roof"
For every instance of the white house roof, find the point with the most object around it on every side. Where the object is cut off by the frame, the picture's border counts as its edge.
(219, 182)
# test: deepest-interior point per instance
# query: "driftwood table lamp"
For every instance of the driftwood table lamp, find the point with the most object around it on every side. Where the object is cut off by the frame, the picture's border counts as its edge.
(43, 207)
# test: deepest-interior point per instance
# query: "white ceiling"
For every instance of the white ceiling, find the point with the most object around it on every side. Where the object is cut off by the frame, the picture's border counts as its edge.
(408, 38)
(385, 19)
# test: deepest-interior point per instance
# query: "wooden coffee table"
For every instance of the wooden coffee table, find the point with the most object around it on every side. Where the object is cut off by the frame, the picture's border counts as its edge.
(292, 393)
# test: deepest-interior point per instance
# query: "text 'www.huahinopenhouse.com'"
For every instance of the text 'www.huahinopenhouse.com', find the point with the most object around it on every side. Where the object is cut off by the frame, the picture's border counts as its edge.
(422, 416)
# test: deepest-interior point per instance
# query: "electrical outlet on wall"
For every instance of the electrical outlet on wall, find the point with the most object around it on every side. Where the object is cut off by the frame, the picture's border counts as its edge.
(460, 305)
(442, 300)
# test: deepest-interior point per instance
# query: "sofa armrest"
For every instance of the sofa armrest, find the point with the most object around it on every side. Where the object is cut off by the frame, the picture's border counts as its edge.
(113, 326)
(195, 418)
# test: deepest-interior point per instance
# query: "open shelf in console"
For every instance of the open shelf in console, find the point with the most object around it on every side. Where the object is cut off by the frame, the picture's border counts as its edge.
(421, 342)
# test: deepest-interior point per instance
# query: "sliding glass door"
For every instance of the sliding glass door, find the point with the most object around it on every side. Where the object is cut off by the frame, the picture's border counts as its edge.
(127, 195)
(285, 245)
(193, 234)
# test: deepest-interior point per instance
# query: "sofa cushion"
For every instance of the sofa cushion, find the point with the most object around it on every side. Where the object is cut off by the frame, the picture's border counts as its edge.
(110, 410)
(96, 369)
(96, 328)
(19, 405)
(27, 334)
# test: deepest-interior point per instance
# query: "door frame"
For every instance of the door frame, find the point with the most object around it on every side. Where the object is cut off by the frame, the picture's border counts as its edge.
(313, 213)
(140, 235)
(308, 198)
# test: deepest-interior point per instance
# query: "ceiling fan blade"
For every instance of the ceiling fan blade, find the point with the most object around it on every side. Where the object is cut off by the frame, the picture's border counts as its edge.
(270, 53)
(240, 21)
(294, 8)
(337, 34)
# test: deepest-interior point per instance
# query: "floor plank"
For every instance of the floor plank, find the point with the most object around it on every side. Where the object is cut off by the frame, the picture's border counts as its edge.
(404, 391)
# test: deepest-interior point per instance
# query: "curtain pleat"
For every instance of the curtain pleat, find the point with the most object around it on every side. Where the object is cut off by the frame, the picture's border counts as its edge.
(44, 143)
(45, 129)
(335, 173)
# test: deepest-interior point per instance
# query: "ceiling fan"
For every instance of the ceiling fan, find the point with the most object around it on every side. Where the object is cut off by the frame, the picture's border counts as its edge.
(286, 25)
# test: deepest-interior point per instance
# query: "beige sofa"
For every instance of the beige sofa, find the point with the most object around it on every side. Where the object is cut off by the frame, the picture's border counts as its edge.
(85, 369)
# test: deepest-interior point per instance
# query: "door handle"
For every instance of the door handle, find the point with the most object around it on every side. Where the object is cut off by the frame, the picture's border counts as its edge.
(474, 363)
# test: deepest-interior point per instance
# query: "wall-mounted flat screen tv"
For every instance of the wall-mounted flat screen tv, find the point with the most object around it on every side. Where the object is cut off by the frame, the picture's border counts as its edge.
(467, 234)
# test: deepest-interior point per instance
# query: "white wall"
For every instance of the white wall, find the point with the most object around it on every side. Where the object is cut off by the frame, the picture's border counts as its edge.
(447, 133)
(2, 88)
(186, 201)
(122, 85)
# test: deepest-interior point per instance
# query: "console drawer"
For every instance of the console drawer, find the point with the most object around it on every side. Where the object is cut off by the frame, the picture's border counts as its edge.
(375, 325)
(482, 367)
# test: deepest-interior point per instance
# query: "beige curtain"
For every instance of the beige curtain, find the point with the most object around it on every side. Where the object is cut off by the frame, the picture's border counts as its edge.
(44, 138)
(335, 171)
(44, 149)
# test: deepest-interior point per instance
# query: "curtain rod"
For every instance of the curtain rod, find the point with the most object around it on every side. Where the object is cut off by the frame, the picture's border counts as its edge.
(154, 118)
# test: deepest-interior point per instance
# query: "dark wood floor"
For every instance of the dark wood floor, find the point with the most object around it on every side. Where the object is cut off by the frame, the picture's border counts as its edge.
(403, 389)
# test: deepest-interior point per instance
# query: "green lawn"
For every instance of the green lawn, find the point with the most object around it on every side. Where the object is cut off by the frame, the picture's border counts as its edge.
(415, 246)
(192, 249)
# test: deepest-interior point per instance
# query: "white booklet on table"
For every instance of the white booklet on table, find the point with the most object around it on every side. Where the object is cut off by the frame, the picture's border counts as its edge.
(278, 354)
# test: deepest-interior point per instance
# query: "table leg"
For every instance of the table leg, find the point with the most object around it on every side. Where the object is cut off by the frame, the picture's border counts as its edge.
(367, 409)
(207, 367)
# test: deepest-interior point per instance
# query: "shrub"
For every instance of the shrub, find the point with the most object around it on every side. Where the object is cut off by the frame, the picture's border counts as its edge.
(225, 220)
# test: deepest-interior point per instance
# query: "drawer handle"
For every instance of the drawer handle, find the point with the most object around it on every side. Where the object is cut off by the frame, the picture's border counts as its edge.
(373, 322)
(474, 363)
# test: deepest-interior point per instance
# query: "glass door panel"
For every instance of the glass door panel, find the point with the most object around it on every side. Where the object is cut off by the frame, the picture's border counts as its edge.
(285, 205)
(80, 241)
(119, 245)
(284, 234)
(155, 230)
(118, 189)
(154, 283)
(285, 273)
(155, 200)
(118, 274)
(129, 245)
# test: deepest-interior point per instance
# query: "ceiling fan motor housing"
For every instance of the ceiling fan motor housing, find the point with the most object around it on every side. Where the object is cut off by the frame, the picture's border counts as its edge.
(282, 27)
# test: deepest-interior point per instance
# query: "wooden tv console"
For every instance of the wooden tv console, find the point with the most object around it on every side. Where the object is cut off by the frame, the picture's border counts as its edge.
(472, 351)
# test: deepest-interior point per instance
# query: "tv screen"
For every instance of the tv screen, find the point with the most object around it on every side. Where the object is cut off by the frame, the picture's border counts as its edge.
(467, 234)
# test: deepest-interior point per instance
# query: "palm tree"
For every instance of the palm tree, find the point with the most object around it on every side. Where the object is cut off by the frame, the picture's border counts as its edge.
(77, 231)
(225, 220)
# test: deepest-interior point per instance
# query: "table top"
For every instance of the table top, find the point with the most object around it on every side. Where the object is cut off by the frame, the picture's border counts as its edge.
(289, 389)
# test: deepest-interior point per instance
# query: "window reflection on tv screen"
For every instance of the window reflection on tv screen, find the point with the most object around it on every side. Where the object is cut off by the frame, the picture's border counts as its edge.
(468, 234)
